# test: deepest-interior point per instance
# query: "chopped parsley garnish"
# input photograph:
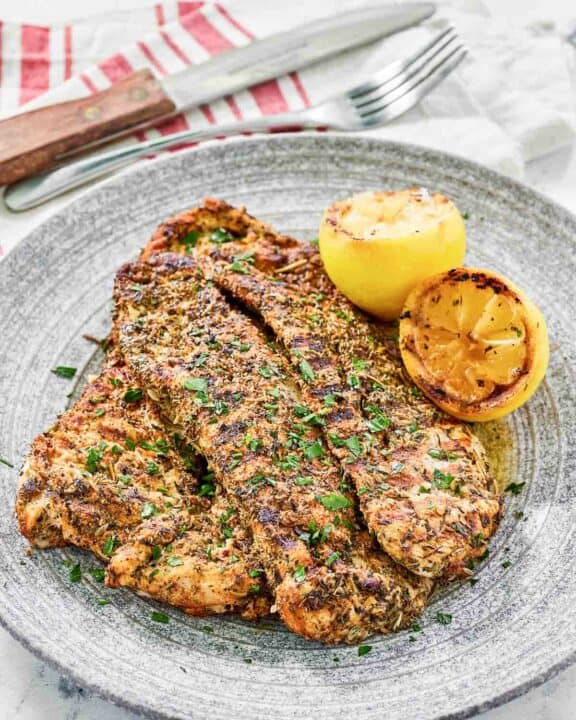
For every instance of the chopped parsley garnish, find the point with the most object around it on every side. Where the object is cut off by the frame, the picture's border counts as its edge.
(160, 447)
(330, 400)
(75, 573)
(199, 385)
(314, 450)
(201, 359)
(331, 559)
(315, 534)
(152, 468)
(301, 481)
(148, 510)
(360, 364)
(439, 454)
(364, 650)
(314, 242)
(130, 444)
(133, 395)
(416, 627)
(98, 574)
(190, 239)
(125, 479)
(160, 617)
(240, 261)
(378, 421)
(353, 381)
(99, 412)
(515, 488)
(442, 481)
(266, 371)
(6, 462)
(477, 540)
(64, 371)
(109, 546)
(94, 457)
(174, 561)
(306, 370)
(335, 501)
(156, 552)
(300, 574)
(103, 601)
(256, 572)
(443, 618)
(115, 382)
(506, 564)
(220, 236)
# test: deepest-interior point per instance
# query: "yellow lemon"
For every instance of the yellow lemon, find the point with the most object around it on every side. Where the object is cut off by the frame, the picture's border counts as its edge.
(474, 343)
(377, 246)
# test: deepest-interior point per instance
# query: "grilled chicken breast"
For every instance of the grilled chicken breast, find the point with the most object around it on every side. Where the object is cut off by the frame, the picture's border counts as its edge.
(110, 477)
(228, 390)
(422, 478)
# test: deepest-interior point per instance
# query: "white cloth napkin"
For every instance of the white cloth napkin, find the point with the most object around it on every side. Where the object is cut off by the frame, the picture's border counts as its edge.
(511, 100)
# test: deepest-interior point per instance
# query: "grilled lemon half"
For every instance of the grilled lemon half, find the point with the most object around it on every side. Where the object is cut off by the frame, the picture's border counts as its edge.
(474, 343)
(376, 246)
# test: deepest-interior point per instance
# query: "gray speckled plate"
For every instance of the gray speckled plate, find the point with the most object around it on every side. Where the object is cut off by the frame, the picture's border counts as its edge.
(512, 630)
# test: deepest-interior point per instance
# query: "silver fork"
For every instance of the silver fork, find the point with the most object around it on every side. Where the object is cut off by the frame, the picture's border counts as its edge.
(383, 97)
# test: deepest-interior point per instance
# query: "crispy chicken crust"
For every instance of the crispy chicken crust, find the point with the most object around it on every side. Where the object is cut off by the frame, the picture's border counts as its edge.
(221, 382)
(422, 478)
(109, 477)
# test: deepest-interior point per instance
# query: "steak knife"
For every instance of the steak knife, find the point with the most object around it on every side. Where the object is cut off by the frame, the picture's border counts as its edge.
(36, 140)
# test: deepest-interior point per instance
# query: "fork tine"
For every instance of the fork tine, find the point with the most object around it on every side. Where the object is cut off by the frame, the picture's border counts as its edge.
(392, 107)
(396, 68)
(447, 44)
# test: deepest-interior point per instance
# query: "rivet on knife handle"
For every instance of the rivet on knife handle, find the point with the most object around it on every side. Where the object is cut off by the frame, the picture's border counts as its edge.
(31, 142)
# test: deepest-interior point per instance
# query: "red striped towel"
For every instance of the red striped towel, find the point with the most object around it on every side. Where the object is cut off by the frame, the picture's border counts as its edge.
(46, 64)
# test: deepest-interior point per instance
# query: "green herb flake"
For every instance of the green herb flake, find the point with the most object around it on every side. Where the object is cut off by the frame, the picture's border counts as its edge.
(156, 552)
(353, 381)
(306, 370)
(515, 488)
(160, 617)
(109, 546)
(98, 574)
(331, 559)
(133, 395)
(335, 501)
(196, 385)
(256, 572)
(220, 236)
(75, 573)
(364, 650)
(152, 468)
(148, 510)
(300, 574)
(174, 561)
(442, 481)
(443, 618)
(6, 462)
(102, 602)
(314, 450)
(190, 239)
(301, 481)
(93, 459)
(64, 371)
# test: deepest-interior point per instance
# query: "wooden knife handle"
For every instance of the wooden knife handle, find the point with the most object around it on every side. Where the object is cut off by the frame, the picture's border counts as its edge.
(32, 141)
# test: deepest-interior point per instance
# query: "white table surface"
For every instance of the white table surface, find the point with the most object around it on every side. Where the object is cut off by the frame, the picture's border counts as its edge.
(29, 689)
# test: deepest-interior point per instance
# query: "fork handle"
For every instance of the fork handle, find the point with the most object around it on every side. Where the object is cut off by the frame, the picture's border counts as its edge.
(40, 188)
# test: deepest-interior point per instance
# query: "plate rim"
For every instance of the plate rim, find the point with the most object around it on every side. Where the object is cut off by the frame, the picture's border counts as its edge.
(33, 643)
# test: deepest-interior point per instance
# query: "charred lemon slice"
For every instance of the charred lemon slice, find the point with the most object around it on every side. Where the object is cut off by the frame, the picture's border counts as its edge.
(377, 246)
(474, 343)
